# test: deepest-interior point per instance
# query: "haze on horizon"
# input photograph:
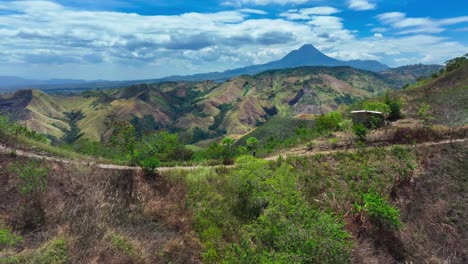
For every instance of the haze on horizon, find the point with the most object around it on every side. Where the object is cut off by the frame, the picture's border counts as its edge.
(122, 39)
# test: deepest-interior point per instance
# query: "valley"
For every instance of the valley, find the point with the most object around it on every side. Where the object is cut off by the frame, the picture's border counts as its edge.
(264, 168)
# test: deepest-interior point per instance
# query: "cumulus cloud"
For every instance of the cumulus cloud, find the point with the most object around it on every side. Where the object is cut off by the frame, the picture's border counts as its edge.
(40, 37)
(361, 5)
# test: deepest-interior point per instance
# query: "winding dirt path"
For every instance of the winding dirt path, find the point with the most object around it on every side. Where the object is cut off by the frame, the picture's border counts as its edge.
(301, 152)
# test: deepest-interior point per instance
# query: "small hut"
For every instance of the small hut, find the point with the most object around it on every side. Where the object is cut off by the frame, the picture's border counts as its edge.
(368, 118)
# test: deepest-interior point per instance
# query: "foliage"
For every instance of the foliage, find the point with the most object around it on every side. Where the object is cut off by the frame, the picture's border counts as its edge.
(228, 149)
(394, 103)
(360, 131)
(380, 212)
(257, 214)
(425, 113)
(144, 125)
(7, 238)
(120, 243)
(74, 133)
(52, 252)
(377, 106)
(148, 164)
(223, 108)
(33, 176)
(456, 63)
(329, 122)
(9, 129)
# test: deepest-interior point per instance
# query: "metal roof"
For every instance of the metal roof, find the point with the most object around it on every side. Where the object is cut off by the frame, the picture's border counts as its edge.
(366, 111)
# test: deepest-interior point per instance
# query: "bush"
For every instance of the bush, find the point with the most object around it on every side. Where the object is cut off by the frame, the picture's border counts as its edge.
(394, 103)
(329, 122)
(360, 131)
(149, 164)
(379, 211)
(377, 106)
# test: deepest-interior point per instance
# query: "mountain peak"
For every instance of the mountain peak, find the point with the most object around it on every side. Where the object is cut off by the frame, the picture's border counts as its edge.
(308, 48)
(306, 55)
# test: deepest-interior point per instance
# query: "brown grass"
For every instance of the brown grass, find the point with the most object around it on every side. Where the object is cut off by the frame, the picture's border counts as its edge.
(85, 204)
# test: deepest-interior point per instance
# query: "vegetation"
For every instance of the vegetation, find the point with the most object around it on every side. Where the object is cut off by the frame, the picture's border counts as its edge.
(329, 122)
(53, 252)
(379, 211)
(33, 176)
(7, 238)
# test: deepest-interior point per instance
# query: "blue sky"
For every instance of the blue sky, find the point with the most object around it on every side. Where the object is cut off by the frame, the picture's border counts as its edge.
(119, 39)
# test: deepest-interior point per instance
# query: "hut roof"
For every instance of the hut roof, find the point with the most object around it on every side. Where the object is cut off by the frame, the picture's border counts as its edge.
(366, 111)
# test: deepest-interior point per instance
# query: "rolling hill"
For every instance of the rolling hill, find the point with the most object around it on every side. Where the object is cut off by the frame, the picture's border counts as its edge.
(234, 107)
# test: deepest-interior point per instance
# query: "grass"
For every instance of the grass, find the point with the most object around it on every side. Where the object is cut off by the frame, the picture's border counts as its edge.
(120, 243)
(8, 238)
(51, 252)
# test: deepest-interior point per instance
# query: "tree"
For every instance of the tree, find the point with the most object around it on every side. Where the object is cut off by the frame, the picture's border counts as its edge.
(456, 63)
(394, 103)
(252, 144)
(329, 122)
(74, 133)
(451, 114)
(228, 150)
(377, 106)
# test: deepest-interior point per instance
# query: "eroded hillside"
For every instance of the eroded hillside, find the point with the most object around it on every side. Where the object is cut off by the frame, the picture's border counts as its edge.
(234, 107)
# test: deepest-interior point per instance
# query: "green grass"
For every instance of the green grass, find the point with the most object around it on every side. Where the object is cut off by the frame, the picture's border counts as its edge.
(51, 252)
(7, 238)
(120, 243)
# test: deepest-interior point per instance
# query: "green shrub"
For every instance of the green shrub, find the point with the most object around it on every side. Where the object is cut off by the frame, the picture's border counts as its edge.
(377, 106)
(149, 164)
(329, 122)
(394, 103)
(360, 131)
(379, 211)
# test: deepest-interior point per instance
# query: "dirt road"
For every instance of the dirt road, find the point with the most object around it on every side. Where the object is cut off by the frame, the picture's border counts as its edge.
(301, 152)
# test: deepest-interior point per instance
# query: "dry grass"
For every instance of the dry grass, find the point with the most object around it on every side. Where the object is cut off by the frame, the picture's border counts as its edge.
(88, 206)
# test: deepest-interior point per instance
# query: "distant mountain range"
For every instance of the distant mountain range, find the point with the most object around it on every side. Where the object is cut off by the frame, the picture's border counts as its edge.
(307, 55)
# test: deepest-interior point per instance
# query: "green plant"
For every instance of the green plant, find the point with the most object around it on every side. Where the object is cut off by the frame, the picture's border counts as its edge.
(329, 122)
(149, 164)
(394, 103)
(379, 211)
(121, 243)
(425, 113)
(33, 176)
(360, 131)
(7, 238)
(377, 106)
(52, 252)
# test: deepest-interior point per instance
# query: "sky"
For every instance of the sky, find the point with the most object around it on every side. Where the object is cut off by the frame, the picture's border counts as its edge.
(143, 39)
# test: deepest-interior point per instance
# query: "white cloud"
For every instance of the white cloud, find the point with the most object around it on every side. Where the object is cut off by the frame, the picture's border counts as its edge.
(378, 35)
(238, 3)
(252, 11)
(413, 25)
(306, 13)
(46, 40)
(361, 5)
